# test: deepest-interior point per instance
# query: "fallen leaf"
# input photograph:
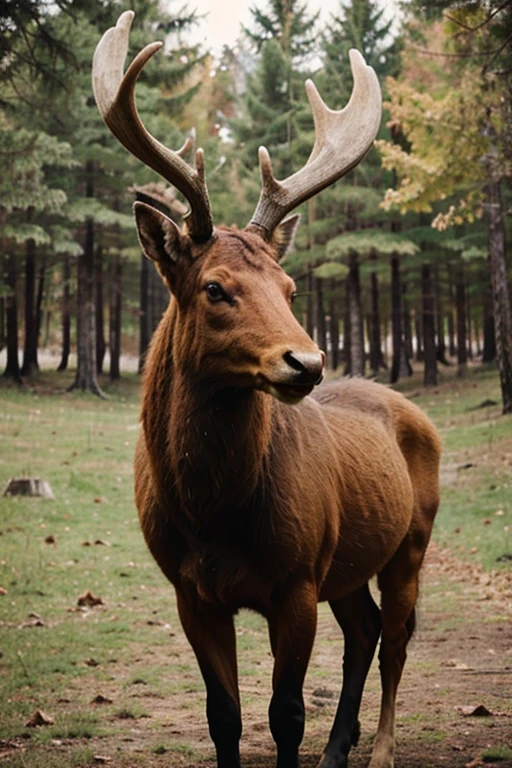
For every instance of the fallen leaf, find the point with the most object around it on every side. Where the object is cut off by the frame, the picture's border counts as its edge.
(92, 663)
(50, 540)
(99, 700)
(3, 591)
(38, 718)
(101, 759)
(470, 711)
(89, 600)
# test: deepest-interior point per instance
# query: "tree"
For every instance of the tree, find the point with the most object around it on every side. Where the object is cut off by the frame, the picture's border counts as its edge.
(459, 136)
(26, 201)
(95, 210)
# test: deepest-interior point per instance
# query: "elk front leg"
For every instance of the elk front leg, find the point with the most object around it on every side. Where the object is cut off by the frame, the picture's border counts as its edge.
(292, 627)
(211, 633)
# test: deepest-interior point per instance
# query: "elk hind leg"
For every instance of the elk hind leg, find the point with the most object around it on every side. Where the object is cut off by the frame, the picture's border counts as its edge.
(359, 618)
(399, 587)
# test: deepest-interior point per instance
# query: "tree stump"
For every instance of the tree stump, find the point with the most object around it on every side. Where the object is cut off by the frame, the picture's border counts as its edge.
(28, 486)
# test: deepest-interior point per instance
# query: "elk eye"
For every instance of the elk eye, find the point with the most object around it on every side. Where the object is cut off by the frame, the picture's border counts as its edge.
(216, 293)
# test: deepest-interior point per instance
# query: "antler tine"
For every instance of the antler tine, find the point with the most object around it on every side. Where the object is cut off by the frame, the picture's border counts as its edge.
(115, 97)
(342, 140)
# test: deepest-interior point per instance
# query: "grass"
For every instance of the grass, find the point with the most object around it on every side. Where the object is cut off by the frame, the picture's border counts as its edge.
(57, 657)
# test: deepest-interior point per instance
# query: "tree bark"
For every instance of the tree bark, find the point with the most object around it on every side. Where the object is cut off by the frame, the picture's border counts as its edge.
(440, 319)
(357, 361)
(310, 312)
(144, 319)
(376, 356)
(116, 270)
(452, 347)
(321, 328)
(334, 327)
(418, 328)
(12, 368)
(41, 284)
(347, 336)
(460, 301)
(398, 351)
(500, 292)
(30, 343)
(100, 315)
(86, 371)
(489, 350)
(429, 331)
(66, 315)
(2, 323)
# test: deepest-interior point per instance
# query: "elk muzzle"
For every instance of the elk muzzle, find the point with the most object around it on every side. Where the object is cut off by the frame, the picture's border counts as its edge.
(292, 375)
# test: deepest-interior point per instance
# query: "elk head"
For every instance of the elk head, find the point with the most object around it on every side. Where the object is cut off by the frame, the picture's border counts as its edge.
(234, 320)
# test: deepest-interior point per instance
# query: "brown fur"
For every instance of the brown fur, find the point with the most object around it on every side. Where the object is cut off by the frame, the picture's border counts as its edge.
(246, 501)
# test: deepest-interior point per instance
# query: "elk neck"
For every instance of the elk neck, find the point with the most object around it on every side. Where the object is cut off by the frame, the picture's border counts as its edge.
(207, 443)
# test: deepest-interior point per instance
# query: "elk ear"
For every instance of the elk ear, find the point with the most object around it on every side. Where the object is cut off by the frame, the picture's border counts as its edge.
(284, 234)
(160, 239)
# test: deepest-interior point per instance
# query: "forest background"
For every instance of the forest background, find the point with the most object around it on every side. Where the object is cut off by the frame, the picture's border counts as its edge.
(404, 260)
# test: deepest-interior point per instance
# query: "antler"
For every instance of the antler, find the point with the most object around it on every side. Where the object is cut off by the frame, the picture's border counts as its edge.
(342, 140)
(115, 97)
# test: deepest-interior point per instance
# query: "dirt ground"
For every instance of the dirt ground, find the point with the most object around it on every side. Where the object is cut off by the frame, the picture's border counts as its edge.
(455, 699)
(454, 704)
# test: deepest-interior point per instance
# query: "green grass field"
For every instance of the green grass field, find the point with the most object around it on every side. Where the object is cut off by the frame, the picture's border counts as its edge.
(57, 657)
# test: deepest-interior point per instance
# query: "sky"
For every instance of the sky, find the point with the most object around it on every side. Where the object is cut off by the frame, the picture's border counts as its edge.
(222, 24)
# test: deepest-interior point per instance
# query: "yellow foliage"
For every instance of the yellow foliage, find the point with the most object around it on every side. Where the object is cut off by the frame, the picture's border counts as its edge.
(445, 114)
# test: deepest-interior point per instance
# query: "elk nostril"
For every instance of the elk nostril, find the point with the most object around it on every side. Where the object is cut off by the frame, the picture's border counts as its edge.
(309, 365)
(294, 362)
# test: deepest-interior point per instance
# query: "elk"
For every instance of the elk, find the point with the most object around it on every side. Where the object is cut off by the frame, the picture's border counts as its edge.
(254, 489)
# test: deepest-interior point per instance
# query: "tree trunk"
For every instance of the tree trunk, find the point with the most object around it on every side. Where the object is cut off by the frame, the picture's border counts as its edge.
(452, 347)
(357, 367)
(374, 334)
(407, 326)
(86, 371)
(469, 327)
(489, 350)
(460, 302)
(396, 318)
(334, 327)
(500, 292)
(41, 284)
(429, 331)
(310, 312)
(66, 315)
(2, 323)
(347, 353)
(440, 320)
(100, 315)
(418, 328)
(12, 368)
(144, 319)
(30, 343)
(116, 269)
(320, 317)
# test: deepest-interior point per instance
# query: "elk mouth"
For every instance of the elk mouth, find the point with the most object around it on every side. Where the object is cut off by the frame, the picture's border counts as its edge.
(291, 394)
